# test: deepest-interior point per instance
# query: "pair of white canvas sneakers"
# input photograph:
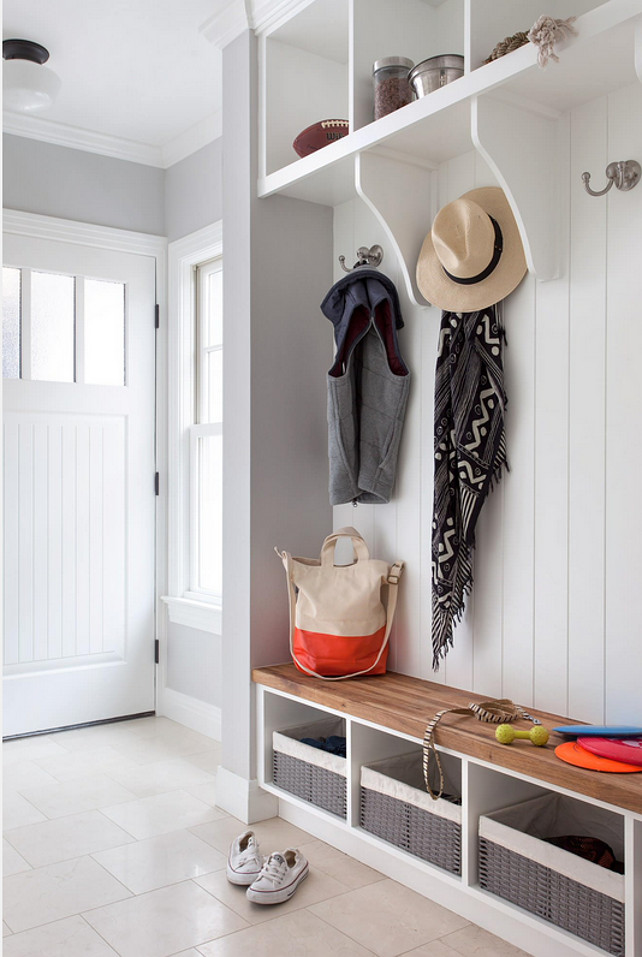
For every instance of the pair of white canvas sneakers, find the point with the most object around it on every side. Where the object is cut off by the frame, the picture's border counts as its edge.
(269, 880)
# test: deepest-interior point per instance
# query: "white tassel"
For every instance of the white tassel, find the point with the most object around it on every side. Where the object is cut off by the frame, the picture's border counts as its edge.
(546, 32)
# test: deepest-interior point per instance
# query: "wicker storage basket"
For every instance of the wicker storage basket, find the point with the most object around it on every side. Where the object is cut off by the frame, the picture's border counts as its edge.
(516, 863)
(396, 807)
(314, 775)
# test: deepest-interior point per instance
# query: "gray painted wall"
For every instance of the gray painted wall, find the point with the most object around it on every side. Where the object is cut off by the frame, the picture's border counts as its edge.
(85, 187)
(193, 192)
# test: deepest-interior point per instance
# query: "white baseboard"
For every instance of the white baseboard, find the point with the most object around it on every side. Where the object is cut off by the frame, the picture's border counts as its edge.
(244, 799)
(197, 715)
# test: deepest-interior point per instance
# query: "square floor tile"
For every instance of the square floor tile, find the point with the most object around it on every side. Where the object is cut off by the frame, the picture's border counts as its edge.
(275, 834)
(161, 814)
(30, 749)
(204, 792)
(66, 837)
(293, 935)
(167, 859)
(84, 794)
(473, 941)
(60, 890)
(160, 776)
(388, 918)
(316, 887)
(94, 736)
(20, 775)
(17, 811)
(72, 937)
(12, 862)
(164, 921)
(70, 765)
(341, 866)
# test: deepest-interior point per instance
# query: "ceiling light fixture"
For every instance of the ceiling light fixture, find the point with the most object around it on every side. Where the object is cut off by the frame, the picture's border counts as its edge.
(28, 86)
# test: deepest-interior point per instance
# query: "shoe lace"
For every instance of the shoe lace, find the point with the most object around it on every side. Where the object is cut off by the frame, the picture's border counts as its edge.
(274, 868)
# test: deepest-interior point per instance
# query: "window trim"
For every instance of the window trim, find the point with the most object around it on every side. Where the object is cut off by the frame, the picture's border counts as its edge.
(183, 256)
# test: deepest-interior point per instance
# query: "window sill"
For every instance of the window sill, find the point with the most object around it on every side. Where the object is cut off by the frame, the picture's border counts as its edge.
(202, 615)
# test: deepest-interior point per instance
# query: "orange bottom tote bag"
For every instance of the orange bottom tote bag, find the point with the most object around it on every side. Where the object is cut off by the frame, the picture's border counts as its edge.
(339, 625)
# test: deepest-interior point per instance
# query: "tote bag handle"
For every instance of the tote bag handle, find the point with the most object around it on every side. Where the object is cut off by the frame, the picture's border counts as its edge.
(359, 545)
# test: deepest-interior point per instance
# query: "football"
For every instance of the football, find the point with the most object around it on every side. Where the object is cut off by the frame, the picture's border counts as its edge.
(318, 135)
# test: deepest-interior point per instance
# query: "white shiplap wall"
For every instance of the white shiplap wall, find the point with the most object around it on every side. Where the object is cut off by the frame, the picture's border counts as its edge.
(555, 618)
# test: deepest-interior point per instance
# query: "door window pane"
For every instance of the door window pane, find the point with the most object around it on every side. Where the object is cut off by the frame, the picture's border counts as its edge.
(10, 322)
(104, 332)
(52, 327)
(209, 514)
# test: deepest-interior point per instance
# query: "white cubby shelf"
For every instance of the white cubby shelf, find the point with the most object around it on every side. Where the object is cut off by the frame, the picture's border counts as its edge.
(317, 64)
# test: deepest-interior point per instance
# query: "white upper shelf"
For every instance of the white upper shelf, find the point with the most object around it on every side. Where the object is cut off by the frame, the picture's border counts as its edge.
(599, 60)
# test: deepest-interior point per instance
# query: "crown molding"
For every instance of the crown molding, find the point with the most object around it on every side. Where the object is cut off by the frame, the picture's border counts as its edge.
(59, 134)
(227, 24)
(72, 137)
(267, 13)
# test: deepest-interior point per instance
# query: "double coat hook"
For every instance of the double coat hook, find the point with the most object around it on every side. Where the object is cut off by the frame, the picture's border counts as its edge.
(623, 174)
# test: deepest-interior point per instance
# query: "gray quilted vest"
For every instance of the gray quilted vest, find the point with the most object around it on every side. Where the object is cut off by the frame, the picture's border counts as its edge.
(368, 387)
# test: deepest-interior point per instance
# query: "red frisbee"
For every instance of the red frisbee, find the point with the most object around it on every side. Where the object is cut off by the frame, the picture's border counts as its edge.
(628, 750)
(574, 753)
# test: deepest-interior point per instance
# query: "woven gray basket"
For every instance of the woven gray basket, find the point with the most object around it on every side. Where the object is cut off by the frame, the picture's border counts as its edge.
(566, 903)
(419, 830)
(310, 773)
(318, 786)
(540, 887)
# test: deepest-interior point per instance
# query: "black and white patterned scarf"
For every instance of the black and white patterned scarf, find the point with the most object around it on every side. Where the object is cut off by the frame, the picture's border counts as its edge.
(470, 452)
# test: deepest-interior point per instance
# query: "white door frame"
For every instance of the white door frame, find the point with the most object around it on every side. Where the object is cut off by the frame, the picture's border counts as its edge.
(144, 244)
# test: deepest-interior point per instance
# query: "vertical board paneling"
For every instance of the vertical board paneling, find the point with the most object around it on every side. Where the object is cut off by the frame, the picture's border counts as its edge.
(551, 475)
(553, 618)
(82, 519)
(623, 449)
(97, 492)
(54, 542)
(40, 541)
(25, 540)
(115, 570)
(519, 496)
(68, 544)
(11, 522)
(586, 418)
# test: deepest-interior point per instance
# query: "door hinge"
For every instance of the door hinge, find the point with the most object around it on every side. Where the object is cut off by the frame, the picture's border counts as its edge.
(157, 315)
(156, 651)
(156, 483)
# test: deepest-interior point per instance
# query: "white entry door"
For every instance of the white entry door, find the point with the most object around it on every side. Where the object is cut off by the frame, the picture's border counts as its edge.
(79, 497)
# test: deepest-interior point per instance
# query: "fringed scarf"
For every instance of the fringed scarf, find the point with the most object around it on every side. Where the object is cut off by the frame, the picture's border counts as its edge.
(470, 452)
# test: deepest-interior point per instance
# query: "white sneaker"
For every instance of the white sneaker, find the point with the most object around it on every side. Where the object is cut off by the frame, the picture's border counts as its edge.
(281, 875)
(244, 862)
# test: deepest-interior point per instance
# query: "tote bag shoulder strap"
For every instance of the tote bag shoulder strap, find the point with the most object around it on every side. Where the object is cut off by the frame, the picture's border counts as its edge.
(393, 583)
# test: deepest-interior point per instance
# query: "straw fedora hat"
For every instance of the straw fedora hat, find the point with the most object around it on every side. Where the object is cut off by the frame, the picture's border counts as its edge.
(473, 255)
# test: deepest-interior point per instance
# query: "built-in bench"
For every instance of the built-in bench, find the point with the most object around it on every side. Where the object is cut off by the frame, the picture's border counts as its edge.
(386, 716)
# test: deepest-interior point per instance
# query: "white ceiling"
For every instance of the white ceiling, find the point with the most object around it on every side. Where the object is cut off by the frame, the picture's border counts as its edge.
(139, 78)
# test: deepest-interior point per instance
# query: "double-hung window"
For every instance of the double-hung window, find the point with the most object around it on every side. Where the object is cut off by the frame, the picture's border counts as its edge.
(206, 436)
(195, 437)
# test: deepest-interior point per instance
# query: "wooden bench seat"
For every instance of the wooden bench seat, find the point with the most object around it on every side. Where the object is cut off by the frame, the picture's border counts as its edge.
(403, 704)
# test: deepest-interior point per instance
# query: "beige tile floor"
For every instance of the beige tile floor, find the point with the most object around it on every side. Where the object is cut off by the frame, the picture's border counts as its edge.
(113, 845)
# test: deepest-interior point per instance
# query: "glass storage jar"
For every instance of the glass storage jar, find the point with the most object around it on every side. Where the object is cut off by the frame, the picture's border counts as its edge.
(392, 88)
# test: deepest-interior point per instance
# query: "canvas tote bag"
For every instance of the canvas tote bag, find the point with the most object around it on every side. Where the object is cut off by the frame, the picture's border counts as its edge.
(339, 625)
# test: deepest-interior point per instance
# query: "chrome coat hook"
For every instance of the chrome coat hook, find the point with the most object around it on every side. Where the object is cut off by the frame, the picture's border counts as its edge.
(624, 174)
(365, 257)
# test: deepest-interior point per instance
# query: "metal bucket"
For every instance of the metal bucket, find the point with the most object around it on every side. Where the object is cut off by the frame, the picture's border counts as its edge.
(431, 74)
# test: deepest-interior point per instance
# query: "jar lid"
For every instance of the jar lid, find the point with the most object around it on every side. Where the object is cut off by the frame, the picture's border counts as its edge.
(386, 61)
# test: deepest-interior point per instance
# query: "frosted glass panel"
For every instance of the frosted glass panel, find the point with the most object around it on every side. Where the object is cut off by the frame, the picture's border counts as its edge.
(10, 323)
(210, 547)
(52, 327)
(214, 322)
(215, 385)
(104, 332)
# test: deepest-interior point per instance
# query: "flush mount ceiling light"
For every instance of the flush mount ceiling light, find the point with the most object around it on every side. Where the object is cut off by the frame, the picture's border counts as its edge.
(28, 86)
